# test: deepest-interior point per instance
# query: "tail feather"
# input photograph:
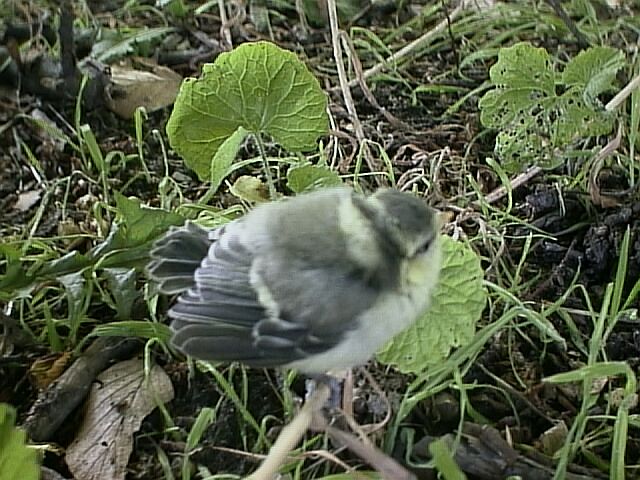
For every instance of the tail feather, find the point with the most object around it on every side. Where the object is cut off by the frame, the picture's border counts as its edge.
(177, 255)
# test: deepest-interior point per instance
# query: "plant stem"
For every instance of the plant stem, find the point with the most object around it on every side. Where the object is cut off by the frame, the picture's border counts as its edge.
(265, 164)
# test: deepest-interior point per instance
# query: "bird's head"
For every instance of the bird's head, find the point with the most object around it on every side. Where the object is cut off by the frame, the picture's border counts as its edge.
(391, 231)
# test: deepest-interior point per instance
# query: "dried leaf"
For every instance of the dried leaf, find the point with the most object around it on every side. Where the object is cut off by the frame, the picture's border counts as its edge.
(137, 88)
(121, 398)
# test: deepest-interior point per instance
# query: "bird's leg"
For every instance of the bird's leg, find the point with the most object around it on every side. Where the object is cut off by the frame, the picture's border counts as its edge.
(335, 385)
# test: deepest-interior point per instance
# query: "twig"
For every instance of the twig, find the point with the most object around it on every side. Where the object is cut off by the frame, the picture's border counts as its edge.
(388, 468)
(416, 44)
(67, 57)
(623, 94)
(597, 163)
(570, 24)
(342, 78)
(291, 435)
(357, 68)
(56, 403)
(225, 26)
(518, 181)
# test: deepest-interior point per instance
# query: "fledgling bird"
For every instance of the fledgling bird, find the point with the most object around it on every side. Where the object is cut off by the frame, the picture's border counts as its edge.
(318, 282)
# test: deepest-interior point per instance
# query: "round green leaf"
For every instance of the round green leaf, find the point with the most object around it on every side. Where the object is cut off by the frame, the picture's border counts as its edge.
(257, 86)
(306, 177)
(456, 306)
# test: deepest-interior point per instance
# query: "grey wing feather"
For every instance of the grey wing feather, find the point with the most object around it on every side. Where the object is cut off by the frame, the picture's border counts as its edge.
(220, 317)
(217, 318)
(317, 309)
(177, 255)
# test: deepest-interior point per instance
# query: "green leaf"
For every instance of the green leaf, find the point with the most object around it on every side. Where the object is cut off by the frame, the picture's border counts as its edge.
(70, 262)
(129, 240)
(578, 118)
(77, 292)
(122, 285)
(501, 107)
(306, 177)
(15, 277)
(142, 223)
(594, 70)
(224, 157)
(17, 460)
(440, 450)
(524, 66)
(536, 125)
(116, 44)
(456, 306)
(126, 245)
(257, 86)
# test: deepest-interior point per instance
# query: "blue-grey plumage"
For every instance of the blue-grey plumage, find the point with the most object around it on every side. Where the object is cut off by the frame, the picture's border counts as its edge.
(316, 282)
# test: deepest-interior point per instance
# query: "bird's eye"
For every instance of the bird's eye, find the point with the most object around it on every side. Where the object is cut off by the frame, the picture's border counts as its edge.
(423, 247)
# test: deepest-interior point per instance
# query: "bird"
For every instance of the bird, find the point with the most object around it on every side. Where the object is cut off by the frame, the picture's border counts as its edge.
(317, 282)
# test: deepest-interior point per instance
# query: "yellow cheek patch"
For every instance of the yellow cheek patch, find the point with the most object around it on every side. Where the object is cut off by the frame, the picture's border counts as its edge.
(424, 269)
(417, 270)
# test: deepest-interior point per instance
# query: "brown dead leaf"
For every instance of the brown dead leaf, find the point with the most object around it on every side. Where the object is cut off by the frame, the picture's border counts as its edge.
(46, 370)
(152, 89)
(121, 398)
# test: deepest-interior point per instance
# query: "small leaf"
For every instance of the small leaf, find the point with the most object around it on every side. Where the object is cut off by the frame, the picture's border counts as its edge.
(306, 177)
(77, 293)
(141, 223)
(594, 70)
(456, 306)
(250, 189)
(257, 86)
(70, 262)
(501, 107)
(122, 285)
(224, 157)
(17, 460)
(15, 276)
(117, 44)
(119, 400)
(578, 119)
(524, 66)
(442, 456)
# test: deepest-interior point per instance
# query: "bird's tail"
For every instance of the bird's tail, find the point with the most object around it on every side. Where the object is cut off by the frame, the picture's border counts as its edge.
(177, 255)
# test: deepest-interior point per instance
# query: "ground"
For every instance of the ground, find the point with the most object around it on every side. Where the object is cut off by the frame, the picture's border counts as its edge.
(560, 246)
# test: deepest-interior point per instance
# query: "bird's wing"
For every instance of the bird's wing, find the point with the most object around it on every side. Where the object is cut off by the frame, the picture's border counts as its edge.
(263, 312)
(316, 306)
(177, 255)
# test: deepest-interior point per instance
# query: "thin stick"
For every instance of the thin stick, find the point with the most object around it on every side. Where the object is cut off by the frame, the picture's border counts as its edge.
(623, 94)
(388, 468)
(416, 44)
(291, 435)
(265, 165)
(336, 37)
(518, 181)
(225, 30)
